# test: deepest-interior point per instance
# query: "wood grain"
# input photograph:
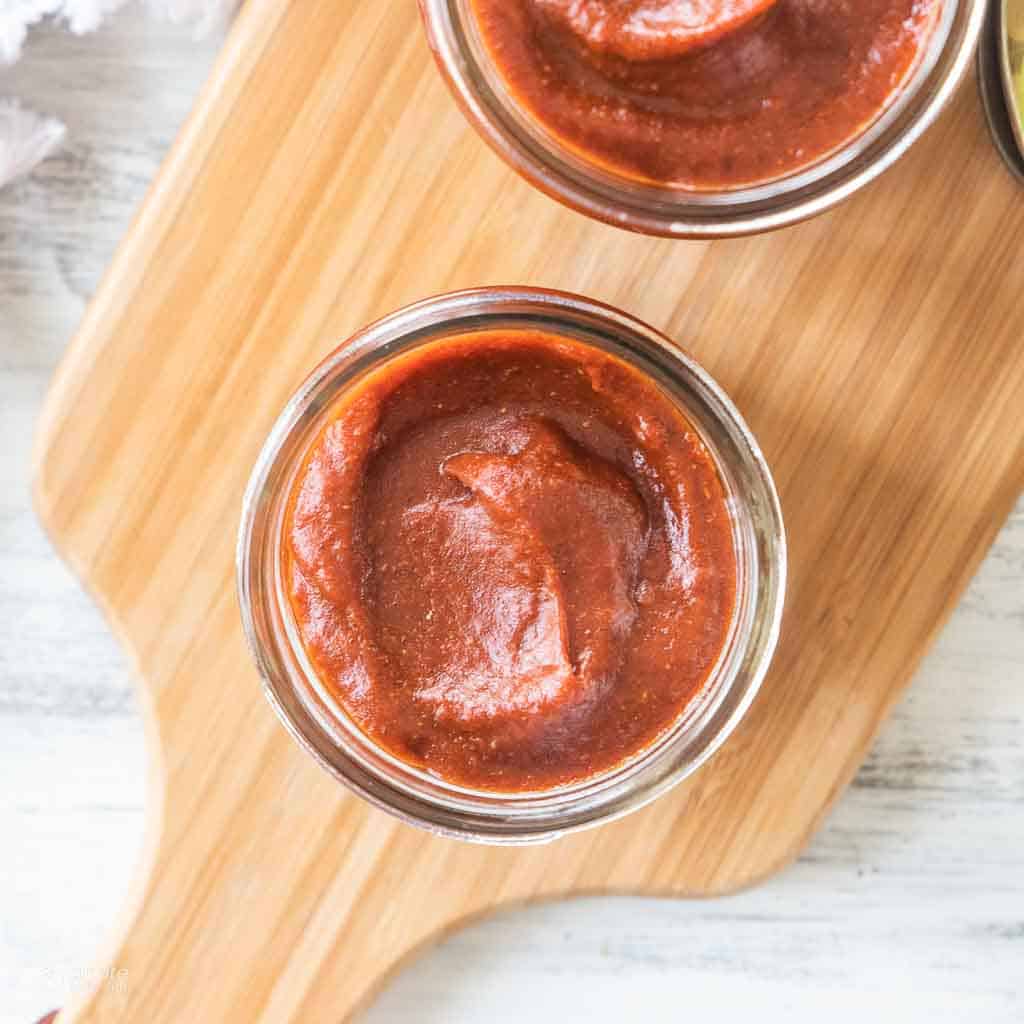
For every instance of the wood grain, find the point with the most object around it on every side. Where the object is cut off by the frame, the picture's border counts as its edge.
(875, 351)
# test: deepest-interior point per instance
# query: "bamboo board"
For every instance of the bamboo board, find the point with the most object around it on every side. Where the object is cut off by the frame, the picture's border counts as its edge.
(325, 179)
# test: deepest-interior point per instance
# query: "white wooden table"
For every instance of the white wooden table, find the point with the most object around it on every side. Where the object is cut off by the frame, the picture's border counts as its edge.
(910, 901)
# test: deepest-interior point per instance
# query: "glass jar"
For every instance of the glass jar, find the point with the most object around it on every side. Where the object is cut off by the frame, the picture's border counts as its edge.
(552, 167)
(318, 722)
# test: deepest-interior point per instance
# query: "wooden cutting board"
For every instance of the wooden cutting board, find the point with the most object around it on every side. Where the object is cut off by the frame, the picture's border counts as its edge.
(326, 178)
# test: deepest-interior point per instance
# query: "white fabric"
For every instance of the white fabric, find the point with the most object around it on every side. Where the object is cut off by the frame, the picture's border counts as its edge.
(207, 15)
(16, 17)
(27, 138)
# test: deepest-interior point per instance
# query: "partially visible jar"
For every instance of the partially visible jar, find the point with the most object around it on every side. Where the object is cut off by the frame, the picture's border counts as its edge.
(584, 185)
(319, 723)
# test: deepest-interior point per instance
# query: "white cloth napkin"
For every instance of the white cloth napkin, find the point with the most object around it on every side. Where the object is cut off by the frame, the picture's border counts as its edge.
(26, 138)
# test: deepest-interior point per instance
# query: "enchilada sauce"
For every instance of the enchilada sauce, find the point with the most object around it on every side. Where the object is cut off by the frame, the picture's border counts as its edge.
(704, 94)
(510, 559)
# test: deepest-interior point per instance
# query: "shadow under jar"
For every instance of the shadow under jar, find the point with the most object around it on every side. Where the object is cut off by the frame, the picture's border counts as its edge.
(751, 127)
(511, 564)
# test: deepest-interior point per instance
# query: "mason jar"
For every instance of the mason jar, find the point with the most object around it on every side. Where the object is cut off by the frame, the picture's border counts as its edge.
(555, 168)
(318, 721)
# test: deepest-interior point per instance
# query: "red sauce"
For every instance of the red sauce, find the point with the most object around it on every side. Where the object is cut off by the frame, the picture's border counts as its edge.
(649, 29)
(510, 559)
(704, 94)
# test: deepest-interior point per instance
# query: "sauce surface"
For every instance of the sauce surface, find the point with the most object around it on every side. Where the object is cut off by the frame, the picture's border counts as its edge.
(510, 560)
(646, 29)
(704, 94)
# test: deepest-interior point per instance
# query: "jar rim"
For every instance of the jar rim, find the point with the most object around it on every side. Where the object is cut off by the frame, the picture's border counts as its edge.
(549, 166)
(321, 726)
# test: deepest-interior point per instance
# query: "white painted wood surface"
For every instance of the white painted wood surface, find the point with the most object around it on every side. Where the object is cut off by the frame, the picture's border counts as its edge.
(910, 901)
